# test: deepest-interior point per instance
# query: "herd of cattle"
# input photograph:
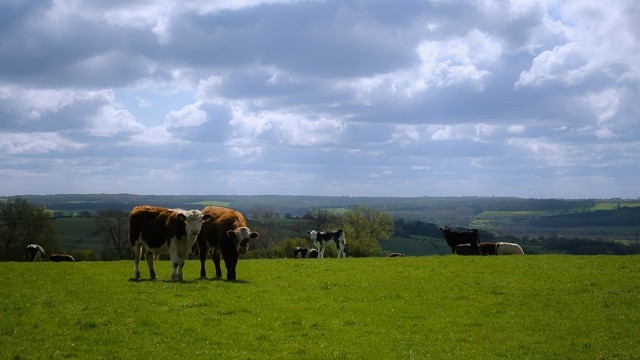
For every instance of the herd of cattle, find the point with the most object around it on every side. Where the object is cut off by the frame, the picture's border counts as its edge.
(223, 233)
(468, 243)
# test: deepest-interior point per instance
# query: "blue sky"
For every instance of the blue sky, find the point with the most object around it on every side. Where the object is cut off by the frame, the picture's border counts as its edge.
(354, 98)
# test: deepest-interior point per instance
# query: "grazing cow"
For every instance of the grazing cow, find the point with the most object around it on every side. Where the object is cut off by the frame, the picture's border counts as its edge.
(488, 248)
(395, 254)
(35, 252)
(61, 257)
(454, 238)
(299, 252)
(225, 233)
(154, 230)
(322, 239)
(312, 253)
(506, 248)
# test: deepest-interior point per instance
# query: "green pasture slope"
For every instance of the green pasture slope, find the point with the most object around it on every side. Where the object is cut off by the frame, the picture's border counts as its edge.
(433, 307)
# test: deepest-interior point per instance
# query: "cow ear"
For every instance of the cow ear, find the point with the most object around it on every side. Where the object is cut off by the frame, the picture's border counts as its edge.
(182, 216)
(254, 235)
(206, 217)
(230, 233)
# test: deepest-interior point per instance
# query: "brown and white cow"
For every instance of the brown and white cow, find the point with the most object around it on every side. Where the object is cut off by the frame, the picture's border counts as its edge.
(154, 230)
(225, 233)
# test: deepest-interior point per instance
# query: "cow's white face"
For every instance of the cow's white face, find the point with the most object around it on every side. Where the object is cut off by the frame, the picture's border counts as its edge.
(193, 221)
(241, 237)
(313, 235)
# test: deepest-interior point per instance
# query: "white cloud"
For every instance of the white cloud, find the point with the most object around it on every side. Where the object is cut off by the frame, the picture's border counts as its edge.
(35, 143)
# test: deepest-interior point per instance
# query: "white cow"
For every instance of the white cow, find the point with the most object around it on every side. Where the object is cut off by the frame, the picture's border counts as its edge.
(506, 248)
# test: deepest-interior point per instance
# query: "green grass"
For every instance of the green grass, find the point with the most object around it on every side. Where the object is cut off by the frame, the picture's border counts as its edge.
(434, 307)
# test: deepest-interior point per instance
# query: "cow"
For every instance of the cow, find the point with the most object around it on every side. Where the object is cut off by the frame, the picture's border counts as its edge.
(488, 248)
(467, 249)
(312, 253)
(322, 239)
(506, 248)
(35, 252)
(61, 258)
(454, 238)
(154, 230)
(395, 254)
(224, 233)
(299, 252)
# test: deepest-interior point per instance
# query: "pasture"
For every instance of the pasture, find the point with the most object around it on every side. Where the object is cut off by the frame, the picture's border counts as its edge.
(432, 307)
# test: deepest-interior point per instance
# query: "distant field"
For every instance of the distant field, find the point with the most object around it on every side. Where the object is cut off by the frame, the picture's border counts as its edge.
(435, 307)
(77, 233)
(212, 203)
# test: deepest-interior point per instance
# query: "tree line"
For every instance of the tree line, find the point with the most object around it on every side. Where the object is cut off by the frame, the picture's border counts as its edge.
(23, 223)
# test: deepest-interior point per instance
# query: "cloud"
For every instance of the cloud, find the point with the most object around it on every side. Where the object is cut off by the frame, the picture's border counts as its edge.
(523, 98)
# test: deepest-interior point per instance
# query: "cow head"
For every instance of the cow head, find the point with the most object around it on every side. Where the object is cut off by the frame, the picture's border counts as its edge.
(241, 238)
(193, 222)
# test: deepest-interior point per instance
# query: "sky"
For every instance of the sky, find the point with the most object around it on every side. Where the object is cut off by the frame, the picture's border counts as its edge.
(525, 98)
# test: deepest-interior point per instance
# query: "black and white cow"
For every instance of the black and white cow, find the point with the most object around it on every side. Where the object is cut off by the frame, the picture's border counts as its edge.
(299, 252)
(322, 239)
(312, 253)
(35, 252)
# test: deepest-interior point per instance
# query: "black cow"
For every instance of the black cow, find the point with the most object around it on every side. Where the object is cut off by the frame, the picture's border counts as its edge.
(454, 238)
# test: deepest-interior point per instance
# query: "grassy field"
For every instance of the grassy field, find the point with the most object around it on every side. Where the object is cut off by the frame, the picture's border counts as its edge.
(435, 307)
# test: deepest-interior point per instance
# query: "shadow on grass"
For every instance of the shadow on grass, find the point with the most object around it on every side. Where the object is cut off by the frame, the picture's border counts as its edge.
(168, 281)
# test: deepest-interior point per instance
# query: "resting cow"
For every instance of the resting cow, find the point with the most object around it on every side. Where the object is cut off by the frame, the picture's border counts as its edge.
(225, 233)
(467, 249)
(61, 258)
(154, 230)
(35, 252)
(299, 252)
(395, 254)
(312, 253)
(454, 238)
(322, 239)
(488, 248)
(506, 248)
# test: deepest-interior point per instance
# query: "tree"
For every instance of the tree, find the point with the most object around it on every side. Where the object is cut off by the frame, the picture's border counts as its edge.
(113, 225)
(268, 224)
(21, 224)
(321, 220)
(364, 228)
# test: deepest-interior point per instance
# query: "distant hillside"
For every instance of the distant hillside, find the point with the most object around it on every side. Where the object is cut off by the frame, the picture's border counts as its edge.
(625, 216)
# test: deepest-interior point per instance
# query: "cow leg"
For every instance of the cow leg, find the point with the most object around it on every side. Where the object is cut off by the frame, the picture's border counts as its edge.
(230, 264)
(321, 252)
(202, 249)
(177, 262)
(136, 261)
(150, 263)
(216, 263)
